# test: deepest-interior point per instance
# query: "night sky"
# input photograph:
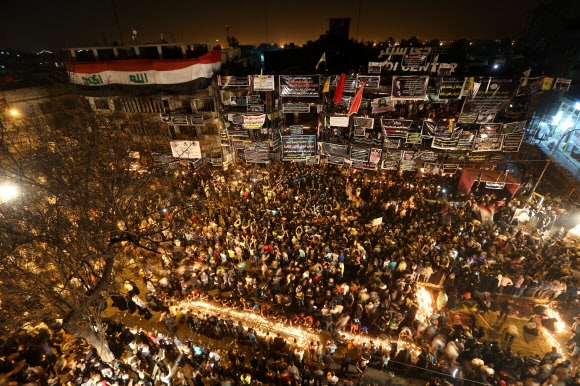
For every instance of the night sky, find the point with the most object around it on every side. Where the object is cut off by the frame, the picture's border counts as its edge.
(35, 25)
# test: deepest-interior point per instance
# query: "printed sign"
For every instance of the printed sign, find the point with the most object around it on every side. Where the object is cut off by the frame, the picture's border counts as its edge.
(409, 87)
(451, 89)
(495, 185)
(375, 67)
(233, 81)
(263, 83)
(359, 153)
(296, 130)
(396, 128)
(530, 86)
(299, 86)
(339, 121)
(335, 150)
(414, 138)
(185, 149)
(297, 148)
(375, 155)
(488, 138)
(254, 121)
(195, 119)
(372, 82)
(562, 84)
(238, 100)
(391, 143)
(296, 107)
(382, 105)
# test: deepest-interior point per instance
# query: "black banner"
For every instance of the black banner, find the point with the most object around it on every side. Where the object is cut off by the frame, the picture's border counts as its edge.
(359, 154)
(443, 129)
(514, 127)
(299, 86)
(530, 86)
(296, 130)
(389, 165)
(372, 82)
(392, 143)
(414, 138)
(409, 87)
(233, 81)
(444, 143)
(451, 89)
(296, 107)
(396, 128)
(465, 140)
(488, 95)
(512, 142)
(238, 100)
(332, 149)
(298, 148)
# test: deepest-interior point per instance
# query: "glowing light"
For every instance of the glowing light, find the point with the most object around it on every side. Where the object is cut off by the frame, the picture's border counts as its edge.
(14, 112)
(8, 192)
(560, 327)
(425, 304)
(557, 118)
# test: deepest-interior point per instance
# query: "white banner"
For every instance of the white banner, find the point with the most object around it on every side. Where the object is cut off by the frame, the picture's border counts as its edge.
(185, 149)
(254, 121)
(339, 121)
(263, 82)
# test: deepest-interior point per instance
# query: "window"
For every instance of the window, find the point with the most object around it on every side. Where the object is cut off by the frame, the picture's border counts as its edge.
(204, 105)
(101, 104)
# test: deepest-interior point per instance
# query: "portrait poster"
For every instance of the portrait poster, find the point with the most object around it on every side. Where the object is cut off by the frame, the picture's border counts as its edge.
(488, 137)
(382, 105)
(375, 155)
(562, 84)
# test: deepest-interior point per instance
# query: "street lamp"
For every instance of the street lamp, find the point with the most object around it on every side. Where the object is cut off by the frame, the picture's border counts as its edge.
(566, 134)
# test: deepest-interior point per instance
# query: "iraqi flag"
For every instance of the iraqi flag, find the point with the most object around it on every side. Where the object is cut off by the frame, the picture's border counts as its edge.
(144, 76)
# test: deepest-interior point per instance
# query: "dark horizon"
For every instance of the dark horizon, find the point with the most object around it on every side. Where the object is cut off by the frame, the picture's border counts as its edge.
(76, 24)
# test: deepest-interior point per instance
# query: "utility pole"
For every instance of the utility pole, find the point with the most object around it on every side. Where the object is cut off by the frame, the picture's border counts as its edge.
(114, 7)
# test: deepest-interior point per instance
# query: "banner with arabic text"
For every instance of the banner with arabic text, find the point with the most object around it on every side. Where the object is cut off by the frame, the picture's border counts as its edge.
(409, 87)
(488, 138)
(299, 86)
(298, 148)
(396, 128)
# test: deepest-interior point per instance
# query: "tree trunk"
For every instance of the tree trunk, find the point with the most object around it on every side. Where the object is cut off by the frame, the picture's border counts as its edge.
(78, 323)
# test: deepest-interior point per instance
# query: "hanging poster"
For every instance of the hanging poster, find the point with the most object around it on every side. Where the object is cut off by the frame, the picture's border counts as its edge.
(296, 130)
(382, 105)
(263, 83)
(238, 100)
(375, 67)
(408, 155)
(427, 156)
(396, 128)
(448, 143)
(414, 138)
(512, 142)
(233, 81)
(185, 149)
(350, 83)
(547, 84)
(465, 140)
(409, 87)
(359, 153)
(562, 84)
(392, 143)
(372, 82)
(299, 86)
(297, 148)
(431, 168)
(375, 155)
(395, 155)
(368, 140)
(467, 118)
(476, 157)
(449, 168)
(488, 94)
(335, 150)
(408, 166)
(254, 121)
(530, 86)
(335, 160)
(195, 120)
(359, 131)
(339, 121)
(300, 108)
(366, 123)
(439, 129)
(389, 165)
(451, 89)
(488, 138)
(313, 160)
(514, 127)
(361, 165)
(414, 60)
(255, 108)
(486, 116)
(179, 120)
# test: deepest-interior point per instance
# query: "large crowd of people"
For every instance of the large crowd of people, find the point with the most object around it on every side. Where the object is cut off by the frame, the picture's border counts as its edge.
(351, 258)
